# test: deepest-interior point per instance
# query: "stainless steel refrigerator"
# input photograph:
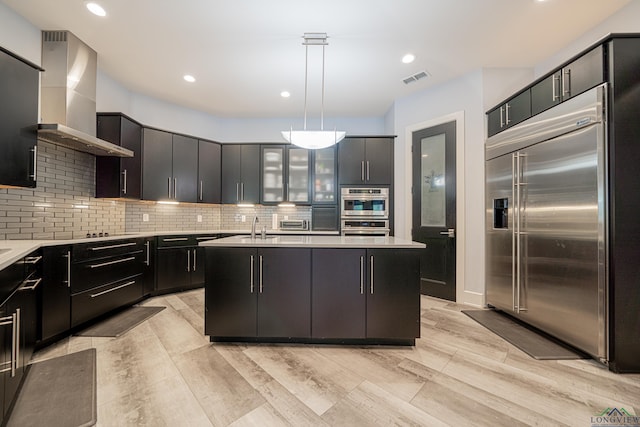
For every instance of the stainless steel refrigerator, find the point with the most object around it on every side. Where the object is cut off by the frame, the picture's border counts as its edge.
(546, 222)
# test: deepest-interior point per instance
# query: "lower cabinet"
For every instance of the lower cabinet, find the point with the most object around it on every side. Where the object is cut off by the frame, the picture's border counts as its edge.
(324, 294)
(90, 304)
(261, 292)
(180, 263)
(365, 293)
(56, 293)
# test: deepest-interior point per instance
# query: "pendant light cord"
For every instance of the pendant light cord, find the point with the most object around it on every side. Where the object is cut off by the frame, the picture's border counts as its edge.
(306, 67)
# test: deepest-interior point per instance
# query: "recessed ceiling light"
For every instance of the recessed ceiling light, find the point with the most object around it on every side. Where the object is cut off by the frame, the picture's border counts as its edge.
(285, 94)
(189, 78)
(96, 9)
(408, 58)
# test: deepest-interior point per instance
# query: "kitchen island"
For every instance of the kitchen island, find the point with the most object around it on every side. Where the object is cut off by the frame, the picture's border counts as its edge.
(313, 289)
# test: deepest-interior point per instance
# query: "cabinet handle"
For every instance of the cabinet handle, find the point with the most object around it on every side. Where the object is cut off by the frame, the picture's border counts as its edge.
(201, 189)
(242, 190)
(501, 119)
(175, 188)
(35, 282)
(506, 114)
(15, 342)
(176, 239)
(68, 257)
(371, 273)
(237, 191)
(118, 261)
(169, 187)
(251, 272)
(188, 260)
(124, 182)
(361, 275)
(34, 150)
(113, 289)
(31, 260)
(362, 170)
(122, 245)
(566, 83)
(148, 259)
(194, 260)
(260, 272)
(367, 170)
(554, 89)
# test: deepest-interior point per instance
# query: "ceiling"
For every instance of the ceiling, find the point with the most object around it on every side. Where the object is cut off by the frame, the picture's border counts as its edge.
(243, 53)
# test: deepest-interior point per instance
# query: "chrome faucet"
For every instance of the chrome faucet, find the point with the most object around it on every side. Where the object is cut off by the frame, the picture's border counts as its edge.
(253, 227)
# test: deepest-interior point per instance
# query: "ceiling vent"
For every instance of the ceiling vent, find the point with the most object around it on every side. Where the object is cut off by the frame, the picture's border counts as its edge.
(415, 77)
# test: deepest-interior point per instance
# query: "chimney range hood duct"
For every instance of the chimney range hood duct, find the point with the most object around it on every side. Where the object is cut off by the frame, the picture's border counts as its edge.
(68, 96)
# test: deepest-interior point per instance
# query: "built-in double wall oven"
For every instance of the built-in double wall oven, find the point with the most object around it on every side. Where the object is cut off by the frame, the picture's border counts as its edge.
(364, 211)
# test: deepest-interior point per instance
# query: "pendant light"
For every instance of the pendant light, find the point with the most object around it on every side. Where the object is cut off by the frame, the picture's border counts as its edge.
(313, 139)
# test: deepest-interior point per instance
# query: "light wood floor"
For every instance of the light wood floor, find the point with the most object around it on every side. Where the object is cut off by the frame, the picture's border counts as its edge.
(166, 373)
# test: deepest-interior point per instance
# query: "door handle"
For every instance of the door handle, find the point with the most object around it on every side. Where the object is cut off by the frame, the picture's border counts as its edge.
(124, 182)
(34, 150)
(451, 233)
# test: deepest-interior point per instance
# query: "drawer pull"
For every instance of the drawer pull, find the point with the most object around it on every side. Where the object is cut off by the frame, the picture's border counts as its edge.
(124, 285)
(32, 259)
(35, 282)
(99, 248)
(176, 239)
(118, 261)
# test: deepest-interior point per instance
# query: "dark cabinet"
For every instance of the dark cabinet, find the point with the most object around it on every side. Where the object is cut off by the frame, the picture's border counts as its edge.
(262, 292)
(119, 176)
(512, 112)
(574, 78)
(324, 218)
(371, 293)
(169, 166)
(149, 270)
(285, 174)
(19, 84)
(209, 174)
(56, 295)
(365, 161)
(179, 263)
(240, 173)
(339, 302)
(325, 176)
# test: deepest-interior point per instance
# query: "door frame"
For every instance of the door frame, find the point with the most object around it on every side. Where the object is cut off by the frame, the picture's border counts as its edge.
(458, 117)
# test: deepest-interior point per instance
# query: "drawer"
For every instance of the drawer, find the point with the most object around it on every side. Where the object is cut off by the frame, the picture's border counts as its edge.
(97, 272)
(178, 240)
(95, 250)
(94, 302)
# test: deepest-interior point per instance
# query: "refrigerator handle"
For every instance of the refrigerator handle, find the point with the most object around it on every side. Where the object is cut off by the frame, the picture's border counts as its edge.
(514, 230)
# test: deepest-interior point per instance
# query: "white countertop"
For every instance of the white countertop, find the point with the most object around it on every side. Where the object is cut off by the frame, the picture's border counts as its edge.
(13, 250)
(337, 242)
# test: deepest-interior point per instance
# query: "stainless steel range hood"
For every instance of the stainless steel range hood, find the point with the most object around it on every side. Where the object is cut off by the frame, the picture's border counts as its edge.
(68, 96)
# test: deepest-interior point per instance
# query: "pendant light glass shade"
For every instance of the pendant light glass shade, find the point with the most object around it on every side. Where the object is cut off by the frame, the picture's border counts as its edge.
(313, 139)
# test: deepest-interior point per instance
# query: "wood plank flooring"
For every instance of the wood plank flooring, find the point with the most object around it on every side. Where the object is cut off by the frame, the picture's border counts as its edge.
(165, 372)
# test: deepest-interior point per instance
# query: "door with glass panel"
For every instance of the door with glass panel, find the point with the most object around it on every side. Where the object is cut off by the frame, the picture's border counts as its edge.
(297, 189)
(434, 208)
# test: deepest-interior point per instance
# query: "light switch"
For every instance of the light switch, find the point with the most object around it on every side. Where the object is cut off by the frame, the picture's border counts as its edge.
(199, 218)
(145, 217)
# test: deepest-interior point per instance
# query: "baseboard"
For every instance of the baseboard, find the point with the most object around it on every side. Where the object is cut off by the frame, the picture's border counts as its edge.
(473, 299)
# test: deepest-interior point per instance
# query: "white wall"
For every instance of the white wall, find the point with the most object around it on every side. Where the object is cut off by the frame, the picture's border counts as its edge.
(19, 36)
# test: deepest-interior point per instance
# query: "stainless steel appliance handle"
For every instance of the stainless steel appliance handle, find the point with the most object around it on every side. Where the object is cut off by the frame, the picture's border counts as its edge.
(251, 273)
(118, 261)
(34, 150)
(361, 275)
(260, 273)
(514, 254)
(122, 245)
(371, 273)
(175, 239)
(147, 261)
(113, 289)
(68, 257)
(124, 181)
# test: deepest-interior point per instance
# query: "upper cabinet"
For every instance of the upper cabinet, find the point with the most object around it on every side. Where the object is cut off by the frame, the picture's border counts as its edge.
(209, 175)
(240, 173)
(325, 175)
(119, 176)
(19, 81)
(285, 174)
(365, 161)
(574, 78)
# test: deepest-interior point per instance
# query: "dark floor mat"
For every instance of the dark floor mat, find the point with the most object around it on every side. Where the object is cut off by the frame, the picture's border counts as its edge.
(533, 342)
(120, 323)
(59, 391)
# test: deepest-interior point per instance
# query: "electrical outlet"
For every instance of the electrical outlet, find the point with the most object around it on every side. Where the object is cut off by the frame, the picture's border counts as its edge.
(243, 218)
(145, 217)
(199, 218)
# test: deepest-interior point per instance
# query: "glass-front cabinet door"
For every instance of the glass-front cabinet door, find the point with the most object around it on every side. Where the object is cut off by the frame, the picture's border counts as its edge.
(324, 175)
(298, 171)
(273, 174)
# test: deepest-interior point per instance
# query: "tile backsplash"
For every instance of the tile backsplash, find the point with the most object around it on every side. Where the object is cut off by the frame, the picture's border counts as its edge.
(63, 206)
